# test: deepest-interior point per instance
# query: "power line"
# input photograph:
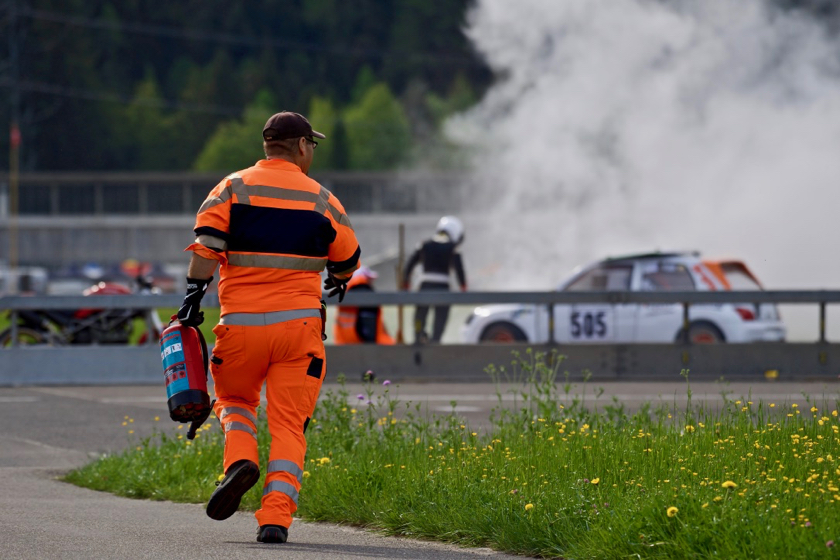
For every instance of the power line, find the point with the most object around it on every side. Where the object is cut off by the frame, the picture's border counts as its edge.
(232, 39)
(93, 95)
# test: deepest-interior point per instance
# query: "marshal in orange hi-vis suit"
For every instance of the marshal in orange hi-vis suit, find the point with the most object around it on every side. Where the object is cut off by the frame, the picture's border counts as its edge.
(271, 230)
(357, 325)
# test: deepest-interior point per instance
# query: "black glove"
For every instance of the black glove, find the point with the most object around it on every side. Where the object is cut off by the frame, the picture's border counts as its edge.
(189, 314)
(335, 286)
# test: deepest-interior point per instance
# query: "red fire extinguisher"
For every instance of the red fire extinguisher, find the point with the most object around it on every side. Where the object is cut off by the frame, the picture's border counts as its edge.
(183, 352)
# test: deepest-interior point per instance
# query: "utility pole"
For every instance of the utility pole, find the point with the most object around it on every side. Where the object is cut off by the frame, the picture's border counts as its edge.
(400, 283)
(14, 137)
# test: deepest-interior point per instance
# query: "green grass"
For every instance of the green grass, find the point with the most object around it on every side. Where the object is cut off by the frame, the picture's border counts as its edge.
(746, 480)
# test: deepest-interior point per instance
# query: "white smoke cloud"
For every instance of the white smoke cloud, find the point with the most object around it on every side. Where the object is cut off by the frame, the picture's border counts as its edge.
(633, 125)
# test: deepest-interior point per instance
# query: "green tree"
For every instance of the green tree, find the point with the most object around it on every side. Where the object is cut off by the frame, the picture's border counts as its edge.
(145, 129)
(237, 144)
(378, 131)
(324, 118)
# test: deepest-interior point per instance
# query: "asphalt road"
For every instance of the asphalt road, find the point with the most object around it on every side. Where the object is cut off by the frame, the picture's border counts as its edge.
(50, 430)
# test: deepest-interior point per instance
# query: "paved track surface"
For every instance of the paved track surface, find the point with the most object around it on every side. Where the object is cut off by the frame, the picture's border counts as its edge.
(50, 430)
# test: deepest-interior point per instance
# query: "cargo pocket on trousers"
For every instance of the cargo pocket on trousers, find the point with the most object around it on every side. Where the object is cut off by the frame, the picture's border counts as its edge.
(311, 386)
(228, 346)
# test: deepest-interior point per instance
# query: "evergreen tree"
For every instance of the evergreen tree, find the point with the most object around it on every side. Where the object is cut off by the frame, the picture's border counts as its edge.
(237, 144)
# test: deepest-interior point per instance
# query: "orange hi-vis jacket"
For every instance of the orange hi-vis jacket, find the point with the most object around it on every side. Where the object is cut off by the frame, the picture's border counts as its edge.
(346, 328)
(273, 230)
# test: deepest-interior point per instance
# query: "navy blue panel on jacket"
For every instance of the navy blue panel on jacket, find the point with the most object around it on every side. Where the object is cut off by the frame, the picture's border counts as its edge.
(258, 229)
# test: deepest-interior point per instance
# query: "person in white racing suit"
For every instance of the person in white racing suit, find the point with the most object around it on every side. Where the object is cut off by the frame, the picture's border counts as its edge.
(438, 256)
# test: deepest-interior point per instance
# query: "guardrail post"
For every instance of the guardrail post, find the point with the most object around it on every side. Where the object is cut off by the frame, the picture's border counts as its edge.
(13, 316)
(685, 336)
(551, 324)
(150, 327)
(822, 321)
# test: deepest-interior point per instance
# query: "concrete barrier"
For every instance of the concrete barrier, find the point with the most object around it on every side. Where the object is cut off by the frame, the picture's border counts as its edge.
(138, 365)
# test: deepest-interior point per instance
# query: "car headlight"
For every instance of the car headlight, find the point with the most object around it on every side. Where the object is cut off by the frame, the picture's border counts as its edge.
(477, 312)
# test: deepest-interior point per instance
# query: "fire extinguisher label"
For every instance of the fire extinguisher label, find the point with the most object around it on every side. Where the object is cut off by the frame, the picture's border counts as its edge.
(172, 351)
(174, 366)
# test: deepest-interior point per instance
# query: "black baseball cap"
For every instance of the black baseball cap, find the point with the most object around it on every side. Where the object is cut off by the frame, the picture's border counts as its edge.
(286, 124)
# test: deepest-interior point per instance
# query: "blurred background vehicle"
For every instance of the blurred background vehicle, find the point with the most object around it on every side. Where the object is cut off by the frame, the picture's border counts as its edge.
(583, 323)
(60, 327)
(23, 280)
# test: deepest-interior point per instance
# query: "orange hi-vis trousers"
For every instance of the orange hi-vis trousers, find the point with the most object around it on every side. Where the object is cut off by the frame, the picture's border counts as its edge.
(283, 349)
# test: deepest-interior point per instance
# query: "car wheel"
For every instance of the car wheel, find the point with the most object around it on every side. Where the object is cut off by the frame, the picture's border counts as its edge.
(703, 332)
(503, 332)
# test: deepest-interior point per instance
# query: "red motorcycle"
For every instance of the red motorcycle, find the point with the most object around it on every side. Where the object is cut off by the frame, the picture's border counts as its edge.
(59, 327)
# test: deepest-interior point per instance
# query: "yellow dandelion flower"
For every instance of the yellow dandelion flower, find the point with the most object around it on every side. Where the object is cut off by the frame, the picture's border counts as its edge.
(705, 505)
(794, 405)
(529, 507)
(221, 477)
(672, 511)
(324, 460)
(157, 418)
(729, 484)
(306, 474)
(772, 405)
(814, 409)
(718, 498)
(595, 481)
(689, 428)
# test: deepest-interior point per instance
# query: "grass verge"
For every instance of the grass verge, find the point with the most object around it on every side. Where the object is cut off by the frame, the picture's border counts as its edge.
(747, 480)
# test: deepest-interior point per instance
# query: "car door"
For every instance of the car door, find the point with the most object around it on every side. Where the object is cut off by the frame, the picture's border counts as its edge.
(595, 322)
(660, 322)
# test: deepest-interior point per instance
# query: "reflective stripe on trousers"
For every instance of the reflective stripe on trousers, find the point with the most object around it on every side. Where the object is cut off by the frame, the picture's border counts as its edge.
(281, 465)
(228, 410)
(271, 318)
(239, 427)
(282, 488)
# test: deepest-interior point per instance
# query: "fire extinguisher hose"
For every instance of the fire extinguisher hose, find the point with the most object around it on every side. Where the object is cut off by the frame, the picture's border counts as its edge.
(196, 424)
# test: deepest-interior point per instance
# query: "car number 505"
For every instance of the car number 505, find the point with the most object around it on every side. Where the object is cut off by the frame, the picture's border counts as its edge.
(588, 324)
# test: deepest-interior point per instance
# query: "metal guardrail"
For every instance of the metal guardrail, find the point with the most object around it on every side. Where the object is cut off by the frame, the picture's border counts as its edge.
(686, 299)
(157, 193)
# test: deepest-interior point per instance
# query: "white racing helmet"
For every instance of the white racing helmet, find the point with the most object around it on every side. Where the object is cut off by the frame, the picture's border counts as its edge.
(451, 226)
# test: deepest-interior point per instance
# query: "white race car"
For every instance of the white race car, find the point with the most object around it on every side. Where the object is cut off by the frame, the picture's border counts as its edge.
(620, 323)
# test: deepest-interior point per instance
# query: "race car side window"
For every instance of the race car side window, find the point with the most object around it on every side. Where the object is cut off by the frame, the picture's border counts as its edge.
(667, 277)
(738, 278)
(603, 278)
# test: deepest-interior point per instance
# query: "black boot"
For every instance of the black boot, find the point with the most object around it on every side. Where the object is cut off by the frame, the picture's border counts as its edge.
(272, 534)
(239, 478)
